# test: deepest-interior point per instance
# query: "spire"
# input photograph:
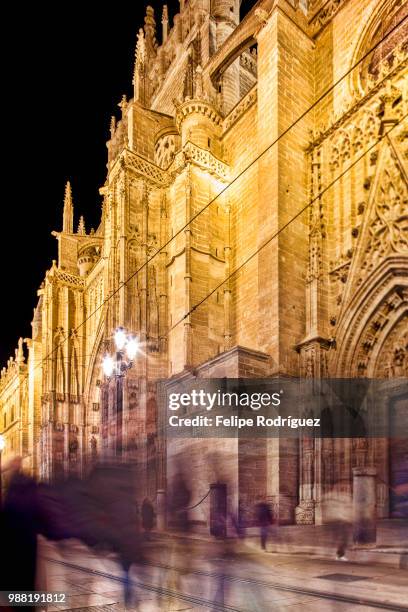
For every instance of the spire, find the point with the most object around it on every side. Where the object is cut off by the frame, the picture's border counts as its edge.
(140, 65)
(68, 215)
(112, 126)
(123, 104)
(199, 88)
(81, 226)
(146, 49)
(150, 28)
(140, 54)
(20, 352)
(165, 23)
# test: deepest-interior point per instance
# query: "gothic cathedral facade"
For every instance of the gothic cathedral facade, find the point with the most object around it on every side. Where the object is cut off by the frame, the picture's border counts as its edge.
(254, 222)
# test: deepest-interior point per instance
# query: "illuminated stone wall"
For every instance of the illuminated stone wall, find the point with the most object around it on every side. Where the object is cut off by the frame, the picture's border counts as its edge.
(325, 296)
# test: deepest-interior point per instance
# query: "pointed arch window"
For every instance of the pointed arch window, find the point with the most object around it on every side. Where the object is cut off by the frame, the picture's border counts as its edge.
(60, 377)
(386, 34)
(74, 373)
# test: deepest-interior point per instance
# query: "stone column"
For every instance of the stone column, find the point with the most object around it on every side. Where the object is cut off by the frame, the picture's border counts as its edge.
(161, 510)
(305, 511)
(364, 506)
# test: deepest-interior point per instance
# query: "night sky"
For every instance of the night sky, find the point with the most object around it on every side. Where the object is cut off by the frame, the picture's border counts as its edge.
(62, 81)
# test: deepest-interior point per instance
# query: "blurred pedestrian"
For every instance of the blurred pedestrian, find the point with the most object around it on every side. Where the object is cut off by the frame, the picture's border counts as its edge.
(337, 507)
(113, 491)
(264, 519)
(179, 501)
(19, 527)
(148, 516)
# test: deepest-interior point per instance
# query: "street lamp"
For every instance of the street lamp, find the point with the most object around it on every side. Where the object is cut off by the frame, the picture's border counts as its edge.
(115, 367)
(2, 445)
(127, 347)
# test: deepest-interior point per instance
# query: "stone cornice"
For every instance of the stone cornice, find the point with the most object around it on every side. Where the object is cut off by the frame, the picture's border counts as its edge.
(321, 341)
(79, 238)
(236, 352)
(203, 107)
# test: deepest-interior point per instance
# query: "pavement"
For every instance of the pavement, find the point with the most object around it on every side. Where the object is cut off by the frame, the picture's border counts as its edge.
(391, 547)
(199, 574)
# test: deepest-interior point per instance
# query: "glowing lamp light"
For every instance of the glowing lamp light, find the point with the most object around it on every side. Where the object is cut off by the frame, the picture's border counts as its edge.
(2, 443)
(120, 338)
(108, 365)
(132, 348)
(127, 347)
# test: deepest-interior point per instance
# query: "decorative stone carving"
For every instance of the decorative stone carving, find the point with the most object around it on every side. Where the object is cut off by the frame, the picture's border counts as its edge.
(206, 160)
(394, 354)
(362, 104)
(322, 12)
(373, 331)
(305, 513)
(165, 150)
(387, 227)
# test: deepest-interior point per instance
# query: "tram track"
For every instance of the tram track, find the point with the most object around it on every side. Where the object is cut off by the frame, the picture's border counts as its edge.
(162, 591)
(336, 597)
(290, 588)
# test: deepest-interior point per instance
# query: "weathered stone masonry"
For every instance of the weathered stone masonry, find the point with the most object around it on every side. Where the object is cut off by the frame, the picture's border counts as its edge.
(327, 297)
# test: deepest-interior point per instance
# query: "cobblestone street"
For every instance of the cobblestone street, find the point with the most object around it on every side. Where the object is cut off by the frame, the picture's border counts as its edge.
(180, 575)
